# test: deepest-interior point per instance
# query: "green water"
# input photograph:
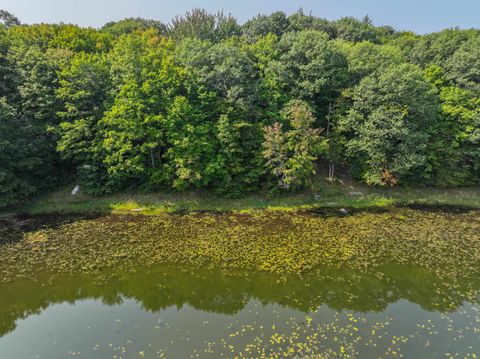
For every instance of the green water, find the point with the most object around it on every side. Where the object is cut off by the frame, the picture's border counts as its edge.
(408, 287)
(172, 312)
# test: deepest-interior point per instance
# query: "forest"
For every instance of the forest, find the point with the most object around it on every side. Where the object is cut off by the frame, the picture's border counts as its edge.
(207, 102)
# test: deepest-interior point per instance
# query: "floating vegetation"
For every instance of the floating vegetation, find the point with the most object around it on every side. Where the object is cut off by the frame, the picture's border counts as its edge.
(385, 283)
(445, 243)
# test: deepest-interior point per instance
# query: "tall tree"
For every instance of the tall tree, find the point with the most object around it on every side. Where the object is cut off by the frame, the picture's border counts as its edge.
(463, 68)
(200, 24)
(7, 19)
(311, 68)
(354, 30)
(386, 126)
(129, 25)
(132, 130)
(276, 23)
(17, 156)
(84, 91)
(291, 154)
(299, 21)
(36, 80)
(190, 145)
(365, 58)
(437, 48)
(454, 150)
(238, 163)
(7, 71)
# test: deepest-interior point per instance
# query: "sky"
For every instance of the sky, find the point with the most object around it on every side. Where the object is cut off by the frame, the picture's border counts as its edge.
(421, 16)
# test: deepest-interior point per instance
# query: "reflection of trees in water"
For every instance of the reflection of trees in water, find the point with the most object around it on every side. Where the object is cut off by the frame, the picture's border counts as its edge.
(219, 292)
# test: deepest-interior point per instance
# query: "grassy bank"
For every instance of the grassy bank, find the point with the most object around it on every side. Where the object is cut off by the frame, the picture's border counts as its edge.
(323, 194)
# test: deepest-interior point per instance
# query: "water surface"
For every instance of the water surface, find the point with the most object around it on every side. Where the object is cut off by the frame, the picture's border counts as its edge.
(177, 313)
(383, 291)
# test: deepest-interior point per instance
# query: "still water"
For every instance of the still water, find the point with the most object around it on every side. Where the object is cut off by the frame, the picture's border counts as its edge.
(390, 283)
(180, 312)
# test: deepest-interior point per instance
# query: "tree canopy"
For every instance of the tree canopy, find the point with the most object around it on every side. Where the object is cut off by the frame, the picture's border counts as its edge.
(207, 102)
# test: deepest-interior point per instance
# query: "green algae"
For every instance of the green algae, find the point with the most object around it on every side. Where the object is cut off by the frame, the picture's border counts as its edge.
(443, 242)
(339, 277)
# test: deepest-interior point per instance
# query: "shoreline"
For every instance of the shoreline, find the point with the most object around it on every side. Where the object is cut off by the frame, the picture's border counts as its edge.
(330, 197)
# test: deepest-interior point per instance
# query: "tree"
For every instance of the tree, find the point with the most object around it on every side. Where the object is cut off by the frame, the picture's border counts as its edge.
(38, 35)
(454, 151)
(275, 152)
(190, 146)
(270, 93)
(276, 23)
(77, 39)
(231, 74)
(354, 30)
(405, 41)
(127, 57)
(200, 24)
(437, 48)
(238, 164)
(311, 68)
(7, 19)
(36, 82)
(16, 156)
(386, 126)
(222, 74)
(207, 103)
(364, 58)
(290, 155)
(300, 22)
(7, 71)
(461, 162)
(68, 37)
(223, 90)
(131, 136)
(463, 68)
(133, 129)
(84, 89)
(385, 33)
(129, 25)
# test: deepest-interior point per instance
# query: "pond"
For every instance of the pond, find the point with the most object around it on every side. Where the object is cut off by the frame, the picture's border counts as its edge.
(400, 282)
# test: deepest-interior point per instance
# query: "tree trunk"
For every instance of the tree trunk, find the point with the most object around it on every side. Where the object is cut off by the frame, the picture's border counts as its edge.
(152, 158)
(331, 164)
(331, 171)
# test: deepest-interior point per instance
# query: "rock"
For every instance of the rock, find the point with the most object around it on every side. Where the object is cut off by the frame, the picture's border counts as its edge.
(76, 190)
(343, 211)
(356, 194)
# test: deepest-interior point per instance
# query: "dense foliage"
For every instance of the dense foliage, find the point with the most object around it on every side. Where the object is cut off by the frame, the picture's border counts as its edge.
(205, 102)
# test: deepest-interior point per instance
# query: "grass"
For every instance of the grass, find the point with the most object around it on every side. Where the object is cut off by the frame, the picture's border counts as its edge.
(322, 194)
